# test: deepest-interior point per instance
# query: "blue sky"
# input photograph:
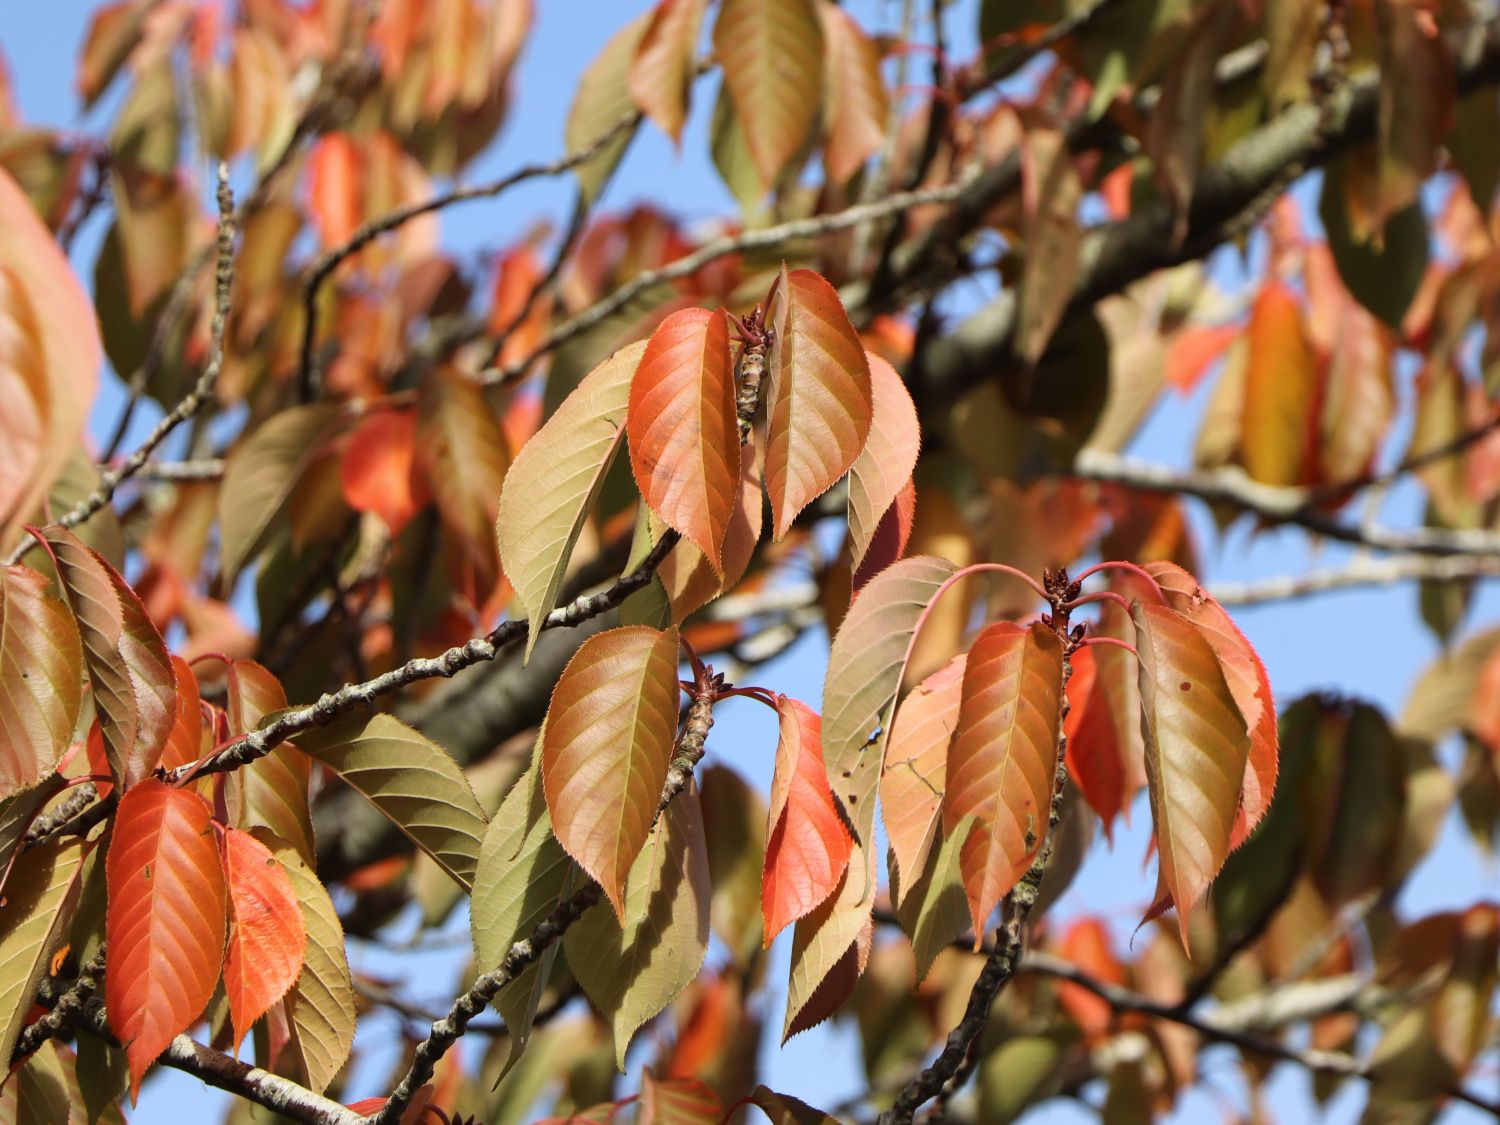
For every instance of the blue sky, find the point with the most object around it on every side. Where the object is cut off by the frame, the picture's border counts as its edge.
(1368, 642)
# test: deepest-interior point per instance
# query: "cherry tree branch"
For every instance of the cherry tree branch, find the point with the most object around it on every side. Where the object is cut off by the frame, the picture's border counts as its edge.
(1363, 571)
(193, 401)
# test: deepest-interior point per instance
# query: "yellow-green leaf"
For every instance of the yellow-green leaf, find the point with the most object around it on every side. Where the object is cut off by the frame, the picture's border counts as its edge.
(32, 926)
(41, 679)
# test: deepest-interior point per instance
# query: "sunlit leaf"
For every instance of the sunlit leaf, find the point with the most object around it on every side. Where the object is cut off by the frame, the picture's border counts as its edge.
(892, 534)
(916, 767)
(1281, 392)
(32, 925)
(556, 479)
(772, 55)
(412, 780)
(819, 407)
(1050, 190)
(1197, 745)
(267, 936)
(135, 689)
(661, 75)
(633, 961)
(272, 791)
(320, 1009)
(606, 746)
(677, 1101)
(783, 1109)
(41, 678)
(856, 105)
(1003, 761)
(808, 844)
(684, 439)
(166, 919)
(602, 98)
(184, 743)
(830, 948)
(376, 469)
(888, 459)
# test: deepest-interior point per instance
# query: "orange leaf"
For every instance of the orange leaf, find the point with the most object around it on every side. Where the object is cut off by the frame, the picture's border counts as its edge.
(916, 767)
(809, 844)
(1003, 760)
(683, 435)
(1050, 193)
(165, 924)
(856, 103)
(820, 405)
(1094, 758)
(606, 745)
(885, 464)
(1246, 676)
(334, 169)
(892, 534)
(41, 679)
(1194, 351)
(135, 689)
(1087, 945)
(689, 579)
(376, 472)
(1281, 392)
(661, 75)
(266, 933)
(1197, 745)
(185, 740)
(772, 55)
(677, 1101)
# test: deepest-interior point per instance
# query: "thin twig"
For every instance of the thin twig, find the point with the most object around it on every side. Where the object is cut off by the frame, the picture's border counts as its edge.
(1361, 572)
(209, 468)
(193, 401)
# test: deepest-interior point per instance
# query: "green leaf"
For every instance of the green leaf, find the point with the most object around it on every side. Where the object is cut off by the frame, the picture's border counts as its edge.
(934, 908)
(602, 98)
(772, 55)
(1017, 1075)
(1384, 278)
(522, 872)
(135, 685)
(41, 679)
(412, 780)
(606, 746)
(32, 926)
(556, 479)
(633, 968)
(272, 791)
(259, 476)
(1471, 143)
(320, 1008)
(734, 822)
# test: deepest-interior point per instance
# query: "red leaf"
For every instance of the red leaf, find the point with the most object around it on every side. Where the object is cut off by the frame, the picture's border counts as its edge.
(916, 767)
(1003, 760)
(266, 933)
(1194, 351)
(683, 435)
(1088, 946)
(892, 534)
(605, 748)
(135, 689)
(884, 466)
(333, 173)
(1094, 759)
(376, 472)
(677, 1101)
(661, 76)
(820, 405)
(809, 844)
(185, 740)
(165, 924)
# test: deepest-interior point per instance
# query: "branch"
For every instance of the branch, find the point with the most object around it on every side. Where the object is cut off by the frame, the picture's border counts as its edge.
(211, 468)
(1230, 485)
(65, 1013)
(384, 224)
(280, 1095)
(193, 401)
(1362, 572)
(447, 1031)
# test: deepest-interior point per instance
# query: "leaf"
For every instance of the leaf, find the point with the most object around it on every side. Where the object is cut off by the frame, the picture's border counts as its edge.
(41, 679)
(1003, 761)
(891, 536)
(606, 746)
(1104, 709)
(888, 459)
(855, 103)
(184, 743)
(1281, 392)
(272, 791)
(677, 1101)
(376, 470)
(1443, 695)
(259, 476)
(320, 1007)
(602, 98)
(49, 358)
(734, 824)
(866, 663)
(135, 688)
(1197, 745)
(830, 948)
(819, 408)
(412, 780)
(1245, 674)
(165, 922)
(1087, 944)
(32, 926)
(556, 479)
(916, 767)
(808, 845)
(772, 55)
(633, 967)
(661, 75)
(783, 1109)
(267, 937)
(934, 909)
(1050, 194)
(1384, 278)
(1415, 108)
(521, 875)
(462, 451)
(684, 437)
